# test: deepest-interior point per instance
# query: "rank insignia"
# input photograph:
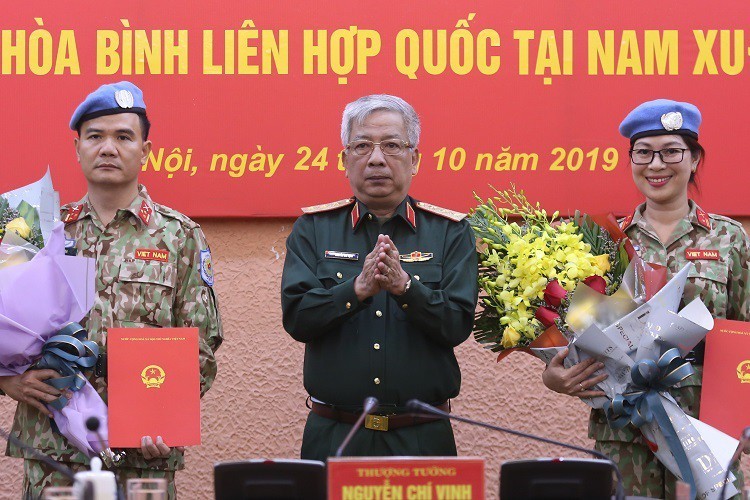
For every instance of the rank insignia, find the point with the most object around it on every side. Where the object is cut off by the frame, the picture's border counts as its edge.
(207, 270)
(335, 254)
(701, 254)
(145, 212)
(703, 218)
(73, 214)
(415, 256)
(626, 222)
(443, 212)
(326, 207)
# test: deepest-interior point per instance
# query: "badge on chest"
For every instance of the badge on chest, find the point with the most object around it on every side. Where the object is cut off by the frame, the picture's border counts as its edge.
(701, 254)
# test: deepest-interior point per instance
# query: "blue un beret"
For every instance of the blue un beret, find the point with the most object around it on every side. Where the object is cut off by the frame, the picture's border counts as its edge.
(661, 117)
(110, 99)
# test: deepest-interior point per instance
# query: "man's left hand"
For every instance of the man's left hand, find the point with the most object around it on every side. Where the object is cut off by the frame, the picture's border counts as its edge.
(390, 274)
(155, 449)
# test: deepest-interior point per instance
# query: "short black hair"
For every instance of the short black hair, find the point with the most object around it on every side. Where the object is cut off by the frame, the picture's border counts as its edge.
(145, 126)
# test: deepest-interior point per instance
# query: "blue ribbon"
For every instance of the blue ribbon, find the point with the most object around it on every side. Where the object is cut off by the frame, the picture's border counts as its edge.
(643, 404)
(69, 353)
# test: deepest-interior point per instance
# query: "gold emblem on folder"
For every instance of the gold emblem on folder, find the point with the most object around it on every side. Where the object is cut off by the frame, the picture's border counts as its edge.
(153, 376)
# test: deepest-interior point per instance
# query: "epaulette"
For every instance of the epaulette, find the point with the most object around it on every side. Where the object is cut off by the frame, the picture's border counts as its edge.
(327, 207)
(174, 214)
(443, 212)
(728, 220)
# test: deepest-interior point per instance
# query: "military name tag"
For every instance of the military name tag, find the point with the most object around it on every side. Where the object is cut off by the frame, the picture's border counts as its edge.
(334, 254)
(152, 254)
(415, 257)
(697, 254)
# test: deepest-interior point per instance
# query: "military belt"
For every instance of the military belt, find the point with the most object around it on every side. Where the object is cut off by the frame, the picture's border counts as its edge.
(376, 422)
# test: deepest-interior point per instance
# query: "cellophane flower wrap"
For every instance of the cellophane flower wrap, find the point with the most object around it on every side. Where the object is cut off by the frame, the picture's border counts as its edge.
(44, 293)
(546, 288)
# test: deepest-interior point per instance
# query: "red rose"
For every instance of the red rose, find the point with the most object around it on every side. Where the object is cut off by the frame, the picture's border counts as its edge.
(546, 316)
(554, 293)
(597, 283)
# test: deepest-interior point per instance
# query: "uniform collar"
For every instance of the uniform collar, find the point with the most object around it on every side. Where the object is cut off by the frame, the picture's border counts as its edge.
(142, 208)
(404, 211)
(696, 216)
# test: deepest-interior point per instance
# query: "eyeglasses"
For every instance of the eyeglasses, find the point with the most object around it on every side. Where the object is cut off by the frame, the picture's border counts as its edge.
(390, 147)
(667, 155)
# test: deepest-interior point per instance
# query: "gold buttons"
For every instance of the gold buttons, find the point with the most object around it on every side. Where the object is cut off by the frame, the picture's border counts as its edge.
(376, 347)
(377, 381)
(348, 305)
(339, 275)
(404, 306)
(416, 277)
(379, 314)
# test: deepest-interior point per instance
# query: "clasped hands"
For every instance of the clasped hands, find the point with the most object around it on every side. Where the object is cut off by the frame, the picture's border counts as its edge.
(381, 271)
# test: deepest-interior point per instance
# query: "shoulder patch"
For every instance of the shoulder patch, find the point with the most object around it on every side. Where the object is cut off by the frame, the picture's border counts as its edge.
(207, 269)
(327, 207)
(443, 212)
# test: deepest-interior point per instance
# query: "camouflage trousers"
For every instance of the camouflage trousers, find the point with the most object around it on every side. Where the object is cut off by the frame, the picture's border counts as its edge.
(37, 475)
(643, 475)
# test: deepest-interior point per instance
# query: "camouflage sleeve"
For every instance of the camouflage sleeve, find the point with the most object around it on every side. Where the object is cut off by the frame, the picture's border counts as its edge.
(195, 302)
(739, 283)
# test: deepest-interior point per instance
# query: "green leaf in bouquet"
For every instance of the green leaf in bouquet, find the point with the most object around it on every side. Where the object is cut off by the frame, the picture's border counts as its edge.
(29, 214)
(3, 204)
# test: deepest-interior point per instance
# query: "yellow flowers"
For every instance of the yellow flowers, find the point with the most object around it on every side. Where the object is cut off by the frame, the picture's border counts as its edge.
(518, 260)
(19, 226)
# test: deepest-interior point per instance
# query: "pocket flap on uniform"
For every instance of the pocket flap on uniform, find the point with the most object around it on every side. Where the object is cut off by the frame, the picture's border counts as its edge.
(143, 271)
(337, 270)
(424, 272)
(714, 270)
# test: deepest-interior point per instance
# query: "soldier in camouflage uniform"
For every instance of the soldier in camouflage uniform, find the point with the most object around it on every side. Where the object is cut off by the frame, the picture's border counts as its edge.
(665, 157)
(113, 223)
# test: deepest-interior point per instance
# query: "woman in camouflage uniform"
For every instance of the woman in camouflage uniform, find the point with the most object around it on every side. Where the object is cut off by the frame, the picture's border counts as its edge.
(665, 158)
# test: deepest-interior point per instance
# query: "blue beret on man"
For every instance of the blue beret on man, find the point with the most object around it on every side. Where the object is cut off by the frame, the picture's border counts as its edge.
(109, 99)
(661, 117)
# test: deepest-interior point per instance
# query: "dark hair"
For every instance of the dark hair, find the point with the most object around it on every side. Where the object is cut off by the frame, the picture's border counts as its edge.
(145, 126)
(696, 150)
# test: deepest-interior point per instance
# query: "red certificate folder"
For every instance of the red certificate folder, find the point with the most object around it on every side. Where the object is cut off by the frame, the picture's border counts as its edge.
(725, 398)
(153, 386)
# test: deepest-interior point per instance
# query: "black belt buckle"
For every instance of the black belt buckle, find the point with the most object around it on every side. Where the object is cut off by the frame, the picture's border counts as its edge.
(100, 370)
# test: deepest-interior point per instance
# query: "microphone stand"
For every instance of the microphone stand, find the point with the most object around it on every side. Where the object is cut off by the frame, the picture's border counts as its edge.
(420, 408)
(369, 406)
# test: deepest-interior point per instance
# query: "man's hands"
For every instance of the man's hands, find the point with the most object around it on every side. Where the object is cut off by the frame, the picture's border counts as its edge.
(155, 449)
(381, 271)
(31, 389)
(576, 380)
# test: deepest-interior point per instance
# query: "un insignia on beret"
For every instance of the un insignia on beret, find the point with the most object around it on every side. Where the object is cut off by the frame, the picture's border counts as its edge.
(124, 99)
(672, 120)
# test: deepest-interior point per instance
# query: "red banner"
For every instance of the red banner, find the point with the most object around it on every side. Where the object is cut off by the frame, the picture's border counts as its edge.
(246, 98)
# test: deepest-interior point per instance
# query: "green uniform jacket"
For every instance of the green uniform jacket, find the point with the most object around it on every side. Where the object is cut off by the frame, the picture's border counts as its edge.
(393, 348)
(135, 293)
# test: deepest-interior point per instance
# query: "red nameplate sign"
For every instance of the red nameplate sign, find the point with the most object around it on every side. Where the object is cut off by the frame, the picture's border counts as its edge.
(698, 254)
(452, 478)
(152, 254)
(153, 386)
(725, 397)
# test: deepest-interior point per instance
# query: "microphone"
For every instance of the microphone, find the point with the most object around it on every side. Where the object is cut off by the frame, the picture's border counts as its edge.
(744, 438)
(369, 406)
(418, 407)
(62, 469)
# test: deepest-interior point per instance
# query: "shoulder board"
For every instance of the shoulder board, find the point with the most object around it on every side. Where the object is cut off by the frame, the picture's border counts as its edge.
(174, 214)
(443, 212)
(728, 220)
(327, 207)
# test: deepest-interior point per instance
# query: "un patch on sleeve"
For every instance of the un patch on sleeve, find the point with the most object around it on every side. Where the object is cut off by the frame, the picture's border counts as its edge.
(207, 269)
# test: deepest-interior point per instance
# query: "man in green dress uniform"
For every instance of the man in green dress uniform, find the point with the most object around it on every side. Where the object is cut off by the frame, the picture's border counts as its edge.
(380, 288)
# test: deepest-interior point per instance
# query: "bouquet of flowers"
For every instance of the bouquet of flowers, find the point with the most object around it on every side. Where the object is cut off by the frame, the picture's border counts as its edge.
(43, 295)
(528, 268)
(579, 285)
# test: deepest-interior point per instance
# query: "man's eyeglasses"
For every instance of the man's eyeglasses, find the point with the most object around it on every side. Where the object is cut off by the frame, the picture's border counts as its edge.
(390, 147)
(667, 155)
